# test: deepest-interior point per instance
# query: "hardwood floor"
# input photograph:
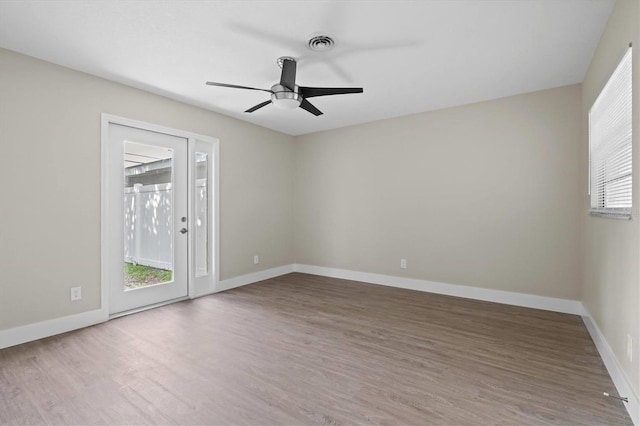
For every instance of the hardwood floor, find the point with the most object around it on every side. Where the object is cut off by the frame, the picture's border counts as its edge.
(302, 349)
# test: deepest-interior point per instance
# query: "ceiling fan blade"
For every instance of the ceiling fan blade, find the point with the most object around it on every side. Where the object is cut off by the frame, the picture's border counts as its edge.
(253, 108)
(268, 37)
(235, 86)
(288, 76)
(328, 62)
(306, 105)
(310, 92)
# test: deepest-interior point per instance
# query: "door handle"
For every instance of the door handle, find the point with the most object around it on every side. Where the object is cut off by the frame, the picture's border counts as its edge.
(183, 230)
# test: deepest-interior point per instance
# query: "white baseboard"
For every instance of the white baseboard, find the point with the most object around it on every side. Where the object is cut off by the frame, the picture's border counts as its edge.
(477, 293)
(40, 330)
(620, 379)
(254, 277)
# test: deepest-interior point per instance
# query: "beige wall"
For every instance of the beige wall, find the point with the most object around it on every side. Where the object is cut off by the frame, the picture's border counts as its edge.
(611, 263)
(50, 191)
(484, 195)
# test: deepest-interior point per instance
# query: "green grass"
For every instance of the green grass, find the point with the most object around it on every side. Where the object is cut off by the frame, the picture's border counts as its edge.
(145, 275)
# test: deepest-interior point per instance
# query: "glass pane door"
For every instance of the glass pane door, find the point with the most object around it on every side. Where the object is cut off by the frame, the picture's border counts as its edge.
(148, 202)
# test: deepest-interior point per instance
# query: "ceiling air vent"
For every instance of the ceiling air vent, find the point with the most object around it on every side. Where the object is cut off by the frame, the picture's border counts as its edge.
(320, 43)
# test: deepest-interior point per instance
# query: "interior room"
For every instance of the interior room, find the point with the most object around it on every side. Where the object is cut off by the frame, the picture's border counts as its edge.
(327, 212)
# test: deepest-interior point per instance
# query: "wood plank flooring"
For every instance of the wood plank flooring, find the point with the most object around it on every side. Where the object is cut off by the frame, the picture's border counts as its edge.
(301, 349)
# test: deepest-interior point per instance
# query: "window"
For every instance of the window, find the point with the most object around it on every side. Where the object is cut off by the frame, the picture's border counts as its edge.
(610, 145)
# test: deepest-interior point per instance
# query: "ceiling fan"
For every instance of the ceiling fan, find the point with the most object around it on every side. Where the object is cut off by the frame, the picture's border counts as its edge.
(287, 94)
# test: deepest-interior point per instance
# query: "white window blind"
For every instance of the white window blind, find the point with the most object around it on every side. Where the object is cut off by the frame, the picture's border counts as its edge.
(610, 145)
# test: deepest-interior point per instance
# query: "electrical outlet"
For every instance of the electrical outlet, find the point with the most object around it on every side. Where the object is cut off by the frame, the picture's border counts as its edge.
(76, 293)
(629, 347)
(403, 263)
(256, 259)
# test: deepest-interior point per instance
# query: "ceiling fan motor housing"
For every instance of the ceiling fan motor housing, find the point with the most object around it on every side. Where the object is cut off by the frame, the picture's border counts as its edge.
(284, 98)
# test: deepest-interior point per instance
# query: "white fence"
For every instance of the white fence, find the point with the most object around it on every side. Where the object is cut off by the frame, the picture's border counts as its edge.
(202, 228)
(148, 225)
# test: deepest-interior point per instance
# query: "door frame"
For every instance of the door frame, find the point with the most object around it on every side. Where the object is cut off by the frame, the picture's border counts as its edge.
(108, 217)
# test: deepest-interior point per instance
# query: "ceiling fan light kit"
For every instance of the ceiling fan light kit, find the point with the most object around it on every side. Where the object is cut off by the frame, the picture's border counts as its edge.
(286, 94)
(283, 98)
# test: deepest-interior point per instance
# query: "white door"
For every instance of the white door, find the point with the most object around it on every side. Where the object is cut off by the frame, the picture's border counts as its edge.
(148, 212)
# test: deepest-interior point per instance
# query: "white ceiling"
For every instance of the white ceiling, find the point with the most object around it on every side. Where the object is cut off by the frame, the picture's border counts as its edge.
(410, 56)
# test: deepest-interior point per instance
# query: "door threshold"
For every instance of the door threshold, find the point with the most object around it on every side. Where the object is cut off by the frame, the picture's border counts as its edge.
(146, 308)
